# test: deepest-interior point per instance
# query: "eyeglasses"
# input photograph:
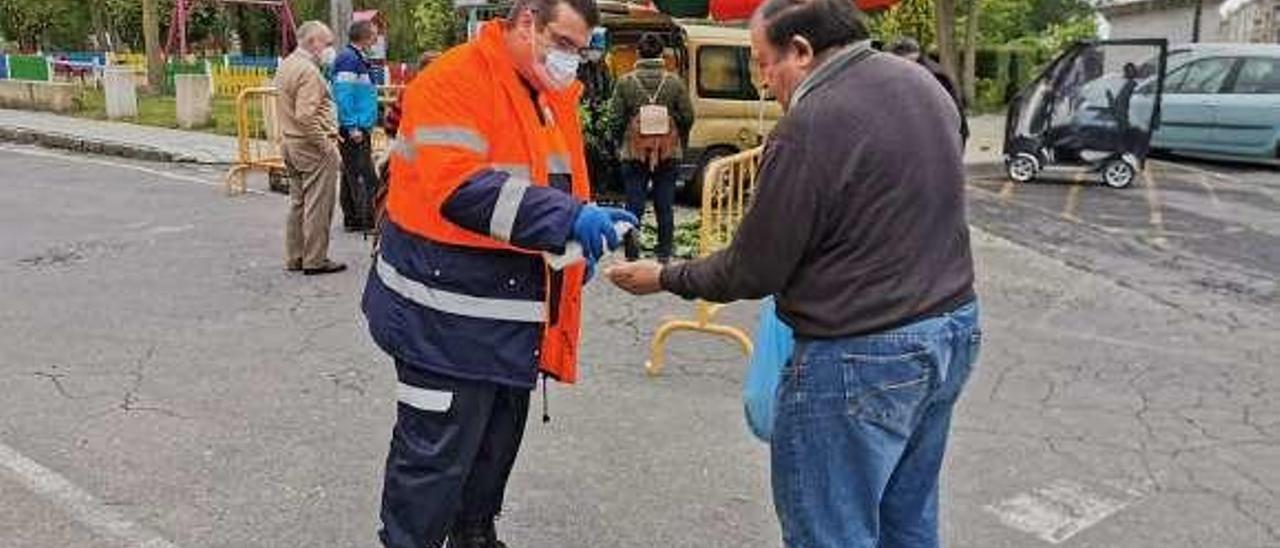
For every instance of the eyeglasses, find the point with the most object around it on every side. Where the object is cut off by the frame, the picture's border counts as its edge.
(567, 45)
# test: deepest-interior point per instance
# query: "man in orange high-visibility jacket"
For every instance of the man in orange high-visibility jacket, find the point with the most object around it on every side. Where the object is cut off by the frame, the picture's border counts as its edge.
(488, 189)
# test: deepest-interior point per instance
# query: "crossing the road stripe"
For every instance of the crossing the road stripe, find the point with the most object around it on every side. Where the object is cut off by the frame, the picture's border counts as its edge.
(76, 502)
(1062, 509)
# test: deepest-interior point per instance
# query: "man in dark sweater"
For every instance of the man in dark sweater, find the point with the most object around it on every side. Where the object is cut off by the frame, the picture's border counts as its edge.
(858, 227)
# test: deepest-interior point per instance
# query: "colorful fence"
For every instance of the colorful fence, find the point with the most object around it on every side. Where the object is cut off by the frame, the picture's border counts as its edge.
(29, 67)
(230, 80)
(726, 195)
(135, 61)
(4, 66)
(252, 61)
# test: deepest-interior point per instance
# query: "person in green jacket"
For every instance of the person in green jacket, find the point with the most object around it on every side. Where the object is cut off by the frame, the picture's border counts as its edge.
(652, 116)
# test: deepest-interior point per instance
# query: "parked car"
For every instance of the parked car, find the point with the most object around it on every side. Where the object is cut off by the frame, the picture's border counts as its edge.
(715, 62)
(1220, 99)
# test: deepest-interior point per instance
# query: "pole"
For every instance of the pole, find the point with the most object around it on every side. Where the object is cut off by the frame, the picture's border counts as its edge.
(339, 20)
(1195, 23)
(151, 41)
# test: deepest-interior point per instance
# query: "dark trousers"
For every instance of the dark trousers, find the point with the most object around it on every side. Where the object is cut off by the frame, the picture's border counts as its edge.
(637, 176)
(449, 463)
(359, 182)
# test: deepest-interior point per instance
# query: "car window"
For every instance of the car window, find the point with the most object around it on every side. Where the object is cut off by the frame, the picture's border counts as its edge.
(1203, 76)
(1258, 75)
(723, 73)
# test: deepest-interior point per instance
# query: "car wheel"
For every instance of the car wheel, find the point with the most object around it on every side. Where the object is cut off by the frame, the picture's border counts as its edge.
(693, 189)
(1023, 168)
(1118, 173)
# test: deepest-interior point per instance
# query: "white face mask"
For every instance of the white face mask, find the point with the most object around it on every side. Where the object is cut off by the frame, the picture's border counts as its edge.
(327, 56)
(562, 67)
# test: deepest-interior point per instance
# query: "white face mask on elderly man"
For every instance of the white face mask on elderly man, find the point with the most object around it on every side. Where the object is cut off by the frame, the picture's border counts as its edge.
(327, 56)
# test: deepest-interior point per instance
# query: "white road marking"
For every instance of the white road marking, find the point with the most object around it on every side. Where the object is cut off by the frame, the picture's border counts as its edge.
(1060, 510)
(76, 502)
(120, 165)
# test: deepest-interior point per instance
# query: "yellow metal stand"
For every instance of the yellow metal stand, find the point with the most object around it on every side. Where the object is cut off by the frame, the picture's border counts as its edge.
(726, 195)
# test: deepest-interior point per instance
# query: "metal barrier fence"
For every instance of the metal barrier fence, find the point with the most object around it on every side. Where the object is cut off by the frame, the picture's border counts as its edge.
(726, 195)
(389, 93)
(259, 136)
(135, 61)
(230, 80)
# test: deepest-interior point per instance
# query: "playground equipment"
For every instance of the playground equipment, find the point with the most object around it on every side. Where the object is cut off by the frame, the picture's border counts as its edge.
(177, 43)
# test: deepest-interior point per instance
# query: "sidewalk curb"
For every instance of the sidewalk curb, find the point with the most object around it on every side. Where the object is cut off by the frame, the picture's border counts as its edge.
(58, 140)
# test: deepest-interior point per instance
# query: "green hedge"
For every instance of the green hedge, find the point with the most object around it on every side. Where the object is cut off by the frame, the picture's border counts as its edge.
(1002, 71)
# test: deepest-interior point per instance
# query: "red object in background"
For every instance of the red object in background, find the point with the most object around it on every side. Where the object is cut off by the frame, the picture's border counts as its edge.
(736, 10)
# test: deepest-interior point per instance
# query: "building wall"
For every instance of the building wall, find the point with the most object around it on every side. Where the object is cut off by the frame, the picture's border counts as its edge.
(1255, 22)
(1160, 21)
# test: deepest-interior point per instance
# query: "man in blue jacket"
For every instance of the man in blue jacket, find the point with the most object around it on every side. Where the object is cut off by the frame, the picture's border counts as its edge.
(357, 100)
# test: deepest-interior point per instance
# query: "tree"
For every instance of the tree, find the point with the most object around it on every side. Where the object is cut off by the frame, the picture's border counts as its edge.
(945, 16)
(909, 18)
(37, 25)
(970, 80)
(436, 21)
(1004, 21)
(151, 37)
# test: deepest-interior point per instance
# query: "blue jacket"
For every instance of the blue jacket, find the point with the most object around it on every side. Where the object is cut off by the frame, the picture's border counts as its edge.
(476, 314)
(354, 91)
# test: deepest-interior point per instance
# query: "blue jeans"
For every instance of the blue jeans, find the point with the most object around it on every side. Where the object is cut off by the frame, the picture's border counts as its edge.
(637, 177)
(861, 430)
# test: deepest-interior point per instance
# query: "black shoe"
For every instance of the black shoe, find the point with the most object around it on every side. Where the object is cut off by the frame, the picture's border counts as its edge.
(480, 535)
(329, 267)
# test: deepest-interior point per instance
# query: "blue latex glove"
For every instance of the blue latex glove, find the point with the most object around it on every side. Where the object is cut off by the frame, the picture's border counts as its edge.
(594, 230)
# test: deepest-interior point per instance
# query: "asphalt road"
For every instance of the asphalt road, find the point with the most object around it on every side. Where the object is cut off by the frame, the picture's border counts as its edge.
(165, 383)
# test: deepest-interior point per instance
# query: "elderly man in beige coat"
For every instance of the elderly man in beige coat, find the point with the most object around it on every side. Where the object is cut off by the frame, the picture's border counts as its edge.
(310, 149)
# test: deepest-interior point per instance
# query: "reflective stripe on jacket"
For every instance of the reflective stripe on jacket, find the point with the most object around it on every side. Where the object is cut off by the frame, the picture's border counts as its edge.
(354, 90)
(483, 182)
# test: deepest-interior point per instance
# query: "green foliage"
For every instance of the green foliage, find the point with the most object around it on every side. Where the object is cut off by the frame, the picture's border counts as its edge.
(45, 24)
(1006, 21)
(910, 18)
(435, 23)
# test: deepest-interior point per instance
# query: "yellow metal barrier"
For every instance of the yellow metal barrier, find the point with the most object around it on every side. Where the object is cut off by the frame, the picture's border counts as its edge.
(229, 81)
(135, 61)
(388, 94)
(259, 136)
(726, 194)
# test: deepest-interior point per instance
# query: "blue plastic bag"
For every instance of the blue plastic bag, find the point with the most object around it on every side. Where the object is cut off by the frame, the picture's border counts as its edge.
(773, 344)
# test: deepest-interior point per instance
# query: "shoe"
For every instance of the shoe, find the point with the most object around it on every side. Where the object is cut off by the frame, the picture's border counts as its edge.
(479, 535)
(329, 267)
(295, 266)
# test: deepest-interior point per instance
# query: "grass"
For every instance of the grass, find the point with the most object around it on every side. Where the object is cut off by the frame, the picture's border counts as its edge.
(161, 111)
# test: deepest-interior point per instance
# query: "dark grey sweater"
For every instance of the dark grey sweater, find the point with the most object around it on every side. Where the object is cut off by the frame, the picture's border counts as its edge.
(858, 222)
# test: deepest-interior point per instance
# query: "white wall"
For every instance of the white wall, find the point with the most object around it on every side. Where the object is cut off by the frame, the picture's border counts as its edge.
(1172, 23)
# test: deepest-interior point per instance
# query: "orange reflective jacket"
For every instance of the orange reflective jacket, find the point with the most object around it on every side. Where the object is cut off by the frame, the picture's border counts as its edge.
(484, 167)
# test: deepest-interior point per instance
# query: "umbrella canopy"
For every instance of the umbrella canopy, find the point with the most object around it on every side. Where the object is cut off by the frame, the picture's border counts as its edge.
(732, 10)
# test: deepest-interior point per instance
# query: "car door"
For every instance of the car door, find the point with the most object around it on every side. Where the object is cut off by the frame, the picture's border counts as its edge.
(1189, 110)
(1249, 109)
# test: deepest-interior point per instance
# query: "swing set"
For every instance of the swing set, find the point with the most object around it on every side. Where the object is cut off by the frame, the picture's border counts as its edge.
(182, 9)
